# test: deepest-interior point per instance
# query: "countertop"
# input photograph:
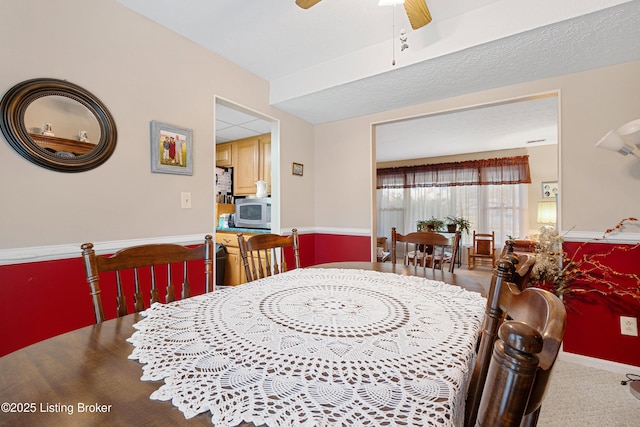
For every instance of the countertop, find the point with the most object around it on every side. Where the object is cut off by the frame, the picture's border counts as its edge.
(242, 230)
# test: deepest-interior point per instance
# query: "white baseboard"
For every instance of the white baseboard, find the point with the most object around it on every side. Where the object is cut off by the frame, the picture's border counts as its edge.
(592, 362)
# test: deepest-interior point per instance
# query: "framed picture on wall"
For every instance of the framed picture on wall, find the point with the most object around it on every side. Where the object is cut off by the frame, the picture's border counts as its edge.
(297, 169)
(549, 189)
(171, 149)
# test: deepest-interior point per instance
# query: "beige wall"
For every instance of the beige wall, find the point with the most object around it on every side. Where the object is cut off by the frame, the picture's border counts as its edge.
(141, 72)
(597, 188)
(543, 162)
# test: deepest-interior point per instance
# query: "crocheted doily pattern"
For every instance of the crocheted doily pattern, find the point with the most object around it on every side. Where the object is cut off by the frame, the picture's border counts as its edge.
(316, 347)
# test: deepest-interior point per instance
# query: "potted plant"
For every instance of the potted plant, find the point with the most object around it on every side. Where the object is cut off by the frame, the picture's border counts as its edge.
(431, 224)
(458, 222)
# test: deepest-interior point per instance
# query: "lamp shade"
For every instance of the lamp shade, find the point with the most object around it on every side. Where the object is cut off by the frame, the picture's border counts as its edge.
(547, 212)
(612, 141)
(625, 140)
(630, 131)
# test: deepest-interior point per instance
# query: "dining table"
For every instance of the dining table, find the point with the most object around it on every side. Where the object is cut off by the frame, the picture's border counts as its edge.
(467, 282)
(333, 344)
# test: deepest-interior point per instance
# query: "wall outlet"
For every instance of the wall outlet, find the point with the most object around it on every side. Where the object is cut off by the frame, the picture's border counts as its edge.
(185, 199)
(629, 326)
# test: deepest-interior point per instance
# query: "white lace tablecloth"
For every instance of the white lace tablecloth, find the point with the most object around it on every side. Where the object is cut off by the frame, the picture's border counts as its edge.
(316, 347)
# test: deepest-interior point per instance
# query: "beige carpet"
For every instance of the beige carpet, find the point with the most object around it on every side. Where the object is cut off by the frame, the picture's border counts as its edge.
(577, 395)
(583, 396)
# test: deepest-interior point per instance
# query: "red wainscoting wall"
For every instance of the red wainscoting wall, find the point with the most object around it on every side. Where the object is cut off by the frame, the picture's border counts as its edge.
(593, 319)
(335, 248)
(40, 300)
(44, 299)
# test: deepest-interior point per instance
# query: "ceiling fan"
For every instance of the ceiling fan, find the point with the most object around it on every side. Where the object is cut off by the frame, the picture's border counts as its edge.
(417, 11)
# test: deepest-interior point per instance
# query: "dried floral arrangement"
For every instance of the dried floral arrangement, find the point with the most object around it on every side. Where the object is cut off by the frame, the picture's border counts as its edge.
(586, 271)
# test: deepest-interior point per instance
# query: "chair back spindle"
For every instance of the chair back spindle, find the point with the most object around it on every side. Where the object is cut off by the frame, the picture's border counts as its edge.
(121, 299)
(186, 286)
(138, 298)
(154, 288)
(171, 294)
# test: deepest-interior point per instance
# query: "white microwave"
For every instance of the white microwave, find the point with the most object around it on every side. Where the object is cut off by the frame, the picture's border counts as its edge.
(253, 212)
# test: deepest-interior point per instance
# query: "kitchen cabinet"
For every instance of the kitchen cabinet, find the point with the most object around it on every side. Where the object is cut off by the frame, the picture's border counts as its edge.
(251, 161)
(224, 157)
(234, 273)
(234, 270)
(246, 166)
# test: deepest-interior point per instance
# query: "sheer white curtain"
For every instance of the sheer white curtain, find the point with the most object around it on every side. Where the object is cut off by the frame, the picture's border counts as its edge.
(498, 208)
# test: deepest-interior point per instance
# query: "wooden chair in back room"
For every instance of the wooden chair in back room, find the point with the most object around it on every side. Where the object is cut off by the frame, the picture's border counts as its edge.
(264, 254)
(515, 357)
(425, 249)
(483, 249)
(141, 262)
(523, 256)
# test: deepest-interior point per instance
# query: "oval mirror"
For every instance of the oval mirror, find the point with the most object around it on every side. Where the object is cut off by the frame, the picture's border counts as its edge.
(57, 125)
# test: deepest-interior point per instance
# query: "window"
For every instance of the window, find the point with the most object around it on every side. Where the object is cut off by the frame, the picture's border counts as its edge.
(491, 194)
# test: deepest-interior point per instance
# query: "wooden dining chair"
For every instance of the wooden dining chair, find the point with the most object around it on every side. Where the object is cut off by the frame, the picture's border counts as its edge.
(425, 249)
(381, 242)
(263, 255)
(519, 246)
(523, 262)
(515, 357)
(455, 247)
(483, 249)
(139, 263)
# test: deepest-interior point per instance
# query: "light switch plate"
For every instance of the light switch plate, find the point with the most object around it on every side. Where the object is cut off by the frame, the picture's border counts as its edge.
(185, 200)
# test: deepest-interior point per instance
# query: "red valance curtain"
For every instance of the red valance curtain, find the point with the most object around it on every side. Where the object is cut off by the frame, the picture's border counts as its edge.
(505, 170)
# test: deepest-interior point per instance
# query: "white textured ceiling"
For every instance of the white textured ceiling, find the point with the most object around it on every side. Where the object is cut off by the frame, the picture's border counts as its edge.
(522, 123)
(334, 61)
(232, 124)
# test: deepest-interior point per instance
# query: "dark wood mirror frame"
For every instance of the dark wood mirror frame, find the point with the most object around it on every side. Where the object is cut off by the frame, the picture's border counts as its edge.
(17, 100)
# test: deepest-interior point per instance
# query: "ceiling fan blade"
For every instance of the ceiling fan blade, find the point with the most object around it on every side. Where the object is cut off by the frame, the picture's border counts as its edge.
(417, 12)
(306, 4)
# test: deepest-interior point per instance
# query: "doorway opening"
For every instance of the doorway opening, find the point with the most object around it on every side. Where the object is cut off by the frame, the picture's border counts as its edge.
(234, 121)
(527, 125)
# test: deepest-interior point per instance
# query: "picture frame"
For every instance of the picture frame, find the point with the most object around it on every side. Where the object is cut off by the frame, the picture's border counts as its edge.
(549, 189)
(171, 149)
(297, 168)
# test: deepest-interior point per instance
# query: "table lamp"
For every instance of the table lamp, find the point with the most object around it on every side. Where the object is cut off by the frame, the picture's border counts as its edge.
(547, 212)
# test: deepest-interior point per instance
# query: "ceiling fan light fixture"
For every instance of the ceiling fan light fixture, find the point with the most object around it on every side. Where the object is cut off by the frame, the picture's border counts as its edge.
(306, 4)
(389, 2)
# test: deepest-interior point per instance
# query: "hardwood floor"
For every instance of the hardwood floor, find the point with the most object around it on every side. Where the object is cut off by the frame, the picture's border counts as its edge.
(482, 273)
